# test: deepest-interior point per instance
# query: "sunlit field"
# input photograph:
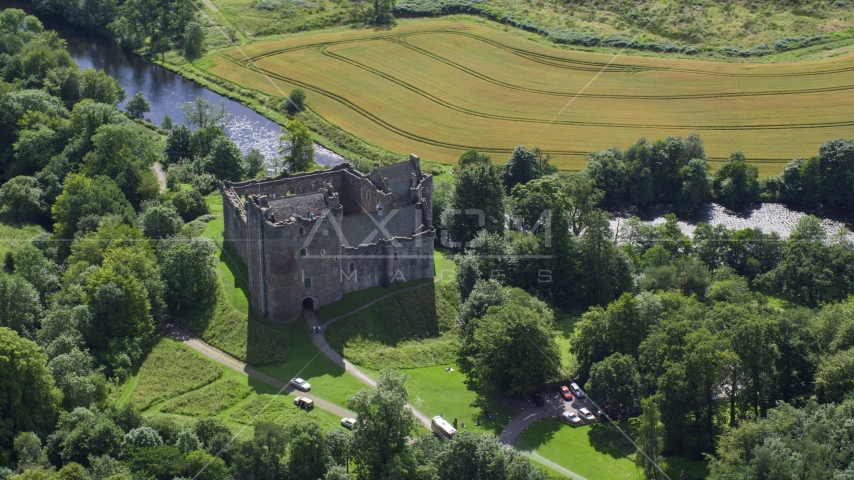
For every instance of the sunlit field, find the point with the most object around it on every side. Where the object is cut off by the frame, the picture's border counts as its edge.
(440, 87)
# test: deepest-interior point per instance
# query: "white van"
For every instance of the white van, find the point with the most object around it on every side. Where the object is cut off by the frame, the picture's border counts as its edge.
(442, 428)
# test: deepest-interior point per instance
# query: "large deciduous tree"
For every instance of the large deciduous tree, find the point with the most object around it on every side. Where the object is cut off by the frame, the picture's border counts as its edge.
(383, 424)
(615, 383)
(297, 147)
(478, 202)
(188, 268)
(84, 196)
(512, 348)
(29, 399)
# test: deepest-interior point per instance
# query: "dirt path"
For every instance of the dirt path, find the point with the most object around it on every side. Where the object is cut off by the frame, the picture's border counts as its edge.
(224, 359)
(210, 5)
(157, 168)
(320, 341)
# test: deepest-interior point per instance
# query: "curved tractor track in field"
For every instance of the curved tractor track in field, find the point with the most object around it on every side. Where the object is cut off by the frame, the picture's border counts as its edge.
(563, 62)
(401, 39)
(323, 48)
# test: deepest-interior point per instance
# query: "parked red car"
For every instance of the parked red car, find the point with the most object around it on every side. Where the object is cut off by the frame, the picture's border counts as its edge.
(567, 395)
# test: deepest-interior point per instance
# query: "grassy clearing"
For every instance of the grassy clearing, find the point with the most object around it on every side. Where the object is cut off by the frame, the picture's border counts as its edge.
(280, 410)
(411, 329)
(434, 391)
(209, 400)
(170, 369)
(598, 451)
(13, 233)
(483, 88)
(227, 321)
(444, 265)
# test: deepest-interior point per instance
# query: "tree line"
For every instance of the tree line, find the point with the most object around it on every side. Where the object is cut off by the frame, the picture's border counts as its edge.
(677, 170)
(702, 334)
(81, 302)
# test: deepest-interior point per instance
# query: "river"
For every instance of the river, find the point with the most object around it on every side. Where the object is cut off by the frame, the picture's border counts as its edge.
(166, 91)
(769, 217)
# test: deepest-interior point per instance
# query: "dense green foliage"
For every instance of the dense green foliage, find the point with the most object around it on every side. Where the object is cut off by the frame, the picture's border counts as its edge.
(810, 443)
(297, 147)
(675, 170)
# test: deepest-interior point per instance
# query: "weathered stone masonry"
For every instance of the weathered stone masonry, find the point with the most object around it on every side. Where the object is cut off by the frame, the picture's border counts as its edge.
(308, 239)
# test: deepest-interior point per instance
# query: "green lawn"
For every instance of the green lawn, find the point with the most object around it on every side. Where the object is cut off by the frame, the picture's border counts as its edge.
(170, 382)
(565, 325)
(434, 391)
(410, 329)
(170, 369)
(279, 409)
(13, 233)
(598, 451)
(445, 268)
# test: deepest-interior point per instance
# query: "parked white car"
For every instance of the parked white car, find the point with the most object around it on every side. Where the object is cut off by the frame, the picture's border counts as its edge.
(348, 423)
(304, 403)
(301, 384)
(586, 414)
(571, 418)
(579, 393)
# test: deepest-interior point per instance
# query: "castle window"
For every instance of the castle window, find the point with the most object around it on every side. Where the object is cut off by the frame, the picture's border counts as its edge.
(303, 253)
(352, 267)
(307, 282)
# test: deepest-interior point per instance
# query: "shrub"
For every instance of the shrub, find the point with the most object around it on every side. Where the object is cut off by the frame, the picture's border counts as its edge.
(205, 183)
(574, 37)
(189, 204)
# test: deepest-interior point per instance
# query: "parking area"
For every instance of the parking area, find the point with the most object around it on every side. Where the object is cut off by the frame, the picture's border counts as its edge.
(555, 404)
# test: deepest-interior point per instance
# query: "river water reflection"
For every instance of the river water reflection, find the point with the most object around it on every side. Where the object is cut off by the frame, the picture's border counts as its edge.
(769, 217)
(166, 91)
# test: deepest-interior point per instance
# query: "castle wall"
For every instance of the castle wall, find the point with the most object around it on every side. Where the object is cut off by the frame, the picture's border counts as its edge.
(234, 229)
(363, 195)
(382, 264)
(292, 258)
(255, 258)
(321, 261)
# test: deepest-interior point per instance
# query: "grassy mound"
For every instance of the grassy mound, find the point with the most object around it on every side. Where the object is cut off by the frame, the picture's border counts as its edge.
(209, 400)
(171, 369)
(243, 335)
(411, 329)
(228, 322)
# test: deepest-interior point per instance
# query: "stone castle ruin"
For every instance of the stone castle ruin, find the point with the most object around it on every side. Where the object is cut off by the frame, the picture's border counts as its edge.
(308, 239)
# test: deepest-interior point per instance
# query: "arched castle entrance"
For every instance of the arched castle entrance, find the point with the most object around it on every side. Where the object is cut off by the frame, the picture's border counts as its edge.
(308, 303)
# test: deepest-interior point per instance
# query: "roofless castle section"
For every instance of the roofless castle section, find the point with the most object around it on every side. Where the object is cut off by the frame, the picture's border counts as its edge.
(308, 239)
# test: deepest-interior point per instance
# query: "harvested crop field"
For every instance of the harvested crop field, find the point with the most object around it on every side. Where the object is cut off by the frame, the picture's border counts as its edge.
(438, 88)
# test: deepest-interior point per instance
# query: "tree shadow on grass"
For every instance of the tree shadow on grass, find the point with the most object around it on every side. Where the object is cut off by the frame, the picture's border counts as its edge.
(491, 402)
(539, 434)
(607, 439)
